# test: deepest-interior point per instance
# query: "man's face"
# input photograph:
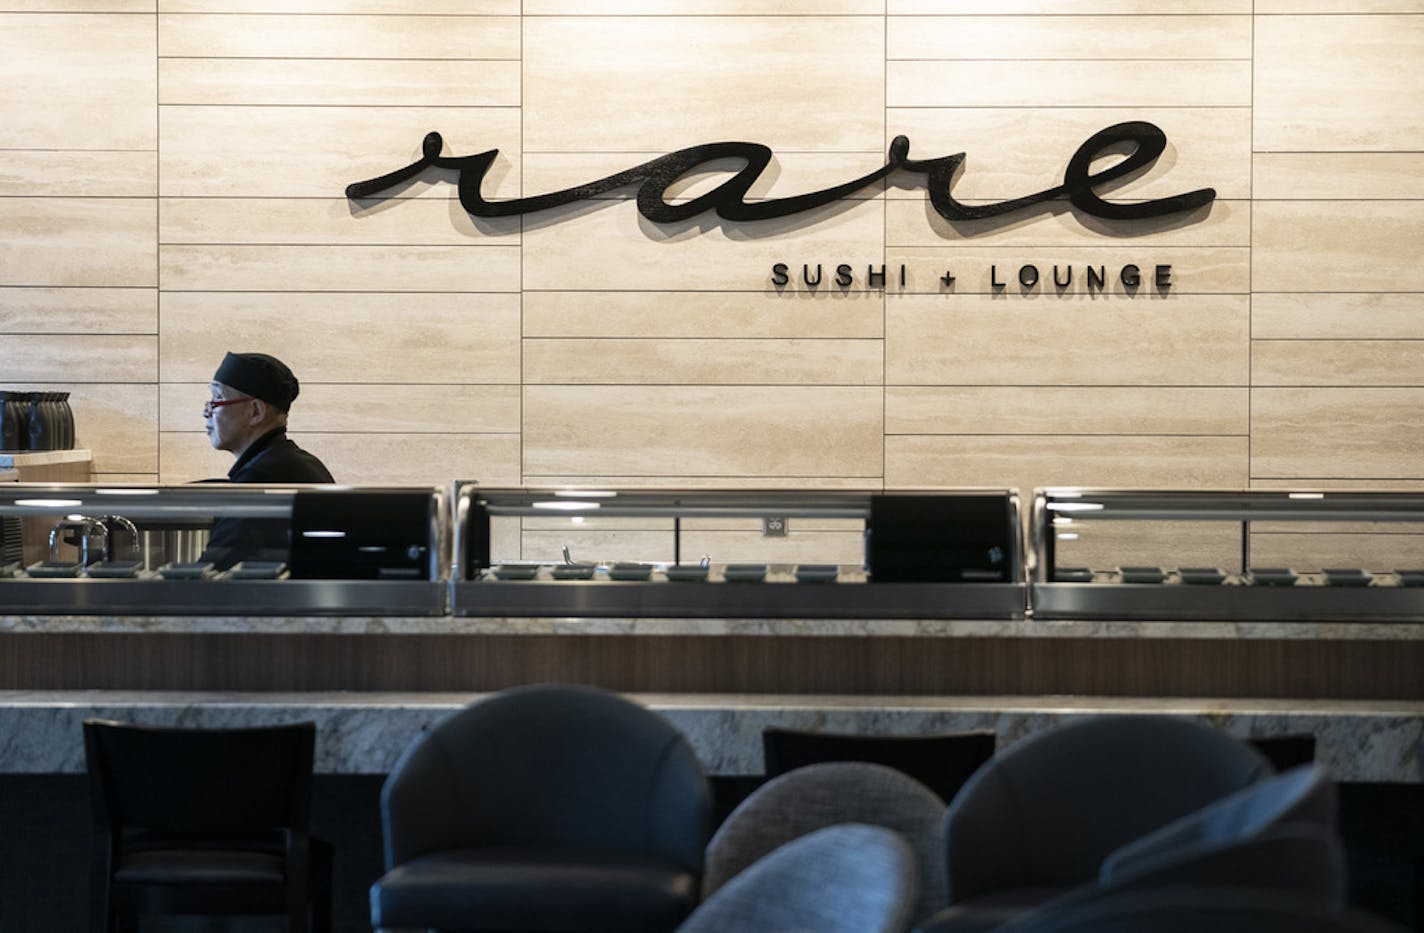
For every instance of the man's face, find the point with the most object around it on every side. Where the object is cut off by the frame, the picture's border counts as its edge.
(227, 417)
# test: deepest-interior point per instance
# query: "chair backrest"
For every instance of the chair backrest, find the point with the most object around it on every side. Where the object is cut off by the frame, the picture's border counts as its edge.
(849, 878)
(941, 762)
(199, 781)
(1049, 809)
(812, 798)
(1174, 909)
(1209, 835)
(549, 766)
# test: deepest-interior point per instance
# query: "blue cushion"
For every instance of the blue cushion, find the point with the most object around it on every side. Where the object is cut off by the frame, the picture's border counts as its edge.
(1302, 794)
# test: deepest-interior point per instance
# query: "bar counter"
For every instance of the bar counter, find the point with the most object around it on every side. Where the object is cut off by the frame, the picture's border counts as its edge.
(878, 628)
(1360, 741)
(932, 657)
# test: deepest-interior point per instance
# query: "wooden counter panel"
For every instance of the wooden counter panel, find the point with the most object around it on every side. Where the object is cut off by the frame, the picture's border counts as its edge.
(763, 664)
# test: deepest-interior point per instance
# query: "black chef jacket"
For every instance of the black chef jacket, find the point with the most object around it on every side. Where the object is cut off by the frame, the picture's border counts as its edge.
(272, 458)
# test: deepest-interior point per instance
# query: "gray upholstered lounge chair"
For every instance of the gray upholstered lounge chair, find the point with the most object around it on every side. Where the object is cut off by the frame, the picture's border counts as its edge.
(1211, 908)
(1275, 835)
(814, 797)
(1227, 840)
(544, 808)
(849, 878)
(941, 762)
(1040, 818)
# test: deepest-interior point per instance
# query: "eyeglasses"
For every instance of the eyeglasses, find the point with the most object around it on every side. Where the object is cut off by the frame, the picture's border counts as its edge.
(213, 404)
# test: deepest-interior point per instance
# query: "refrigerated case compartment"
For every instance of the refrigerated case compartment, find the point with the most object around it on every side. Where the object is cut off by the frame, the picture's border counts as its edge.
(1328, 590)
(960, 556)
(336, 584)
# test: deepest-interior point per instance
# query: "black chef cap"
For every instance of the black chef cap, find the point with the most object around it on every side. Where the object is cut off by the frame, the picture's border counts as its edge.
(260, 376)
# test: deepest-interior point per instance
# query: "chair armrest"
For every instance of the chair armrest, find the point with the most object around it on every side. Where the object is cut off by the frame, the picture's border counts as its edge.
(418, 803)
(1297, 857)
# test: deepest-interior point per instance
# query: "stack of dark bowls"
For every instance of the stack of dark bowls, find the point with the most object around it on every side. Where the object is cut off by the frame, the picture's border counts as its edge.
(35, 421)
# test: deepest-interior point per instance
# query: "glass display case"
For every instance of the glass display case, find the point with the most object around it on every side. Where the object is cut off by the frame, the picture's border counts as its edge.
(223, 549)
(737, 553)
(1253, 555)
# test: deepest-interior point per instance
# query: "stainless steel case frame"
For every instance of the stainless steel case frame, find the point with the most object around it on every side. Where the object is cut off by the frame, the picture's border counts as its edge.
(475, 593)
(1106, 597)
(151, 595)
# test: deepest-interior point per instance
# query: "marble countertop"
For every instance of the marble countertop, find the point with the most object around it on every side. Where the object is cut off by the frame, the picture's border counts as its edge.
(364, 733)
(849, 628)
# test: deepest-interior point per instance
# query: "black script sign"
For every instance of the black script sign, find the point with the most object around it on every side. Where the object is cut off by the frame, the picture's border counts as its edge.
(1146, 142)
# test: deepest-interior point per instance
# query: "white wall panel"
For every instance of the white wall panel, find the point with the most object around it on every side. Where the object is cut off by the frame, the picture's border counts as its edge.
(1064, 460)
(1338, 176)
(1318, 315)
(1337, 246)
(60, 73)
(1337, 362)
(1068, 38)
(341, 268)
(1336, 433)
(371, 7)
(1063, 7)
(1068, 83)
(76, 173)
(328, 35)
(1135, 409)
(1192, 341)
(358, 339)
(79, 358)
(1339, 83)
(78, 241)
(687, 431)
(247, 82)
(1339, 6)
(703, 314)
(620, 83)
(78, 6)
(78, 310)
(702, 7)
(703, 362)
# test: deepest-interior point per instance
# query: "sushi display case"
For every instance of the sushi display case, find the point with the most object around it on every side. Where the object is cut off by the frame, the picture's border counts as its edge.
(1234, 555)
(775, 554)
(223, 549)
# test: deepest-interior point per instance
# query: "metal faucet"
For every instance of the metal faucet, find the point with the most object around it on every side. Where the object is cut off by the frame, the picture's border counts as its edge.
(109, 543)
(86, 527)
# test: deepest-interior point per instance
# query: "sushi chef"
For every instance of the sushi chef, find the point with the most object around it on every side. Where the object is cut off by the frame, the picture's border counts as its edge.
(252, 394)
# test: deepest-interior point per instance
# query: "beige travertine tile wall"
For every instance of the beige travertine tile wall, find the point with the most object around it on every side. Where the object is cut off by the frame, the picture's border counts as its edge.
(78, 220)
(172, 177)
(1338, 238)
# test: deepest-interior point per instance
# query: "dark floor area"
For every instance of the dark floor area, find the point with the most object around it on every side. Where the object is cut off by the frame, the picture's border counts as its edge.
(44, 857)
(45, 822)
